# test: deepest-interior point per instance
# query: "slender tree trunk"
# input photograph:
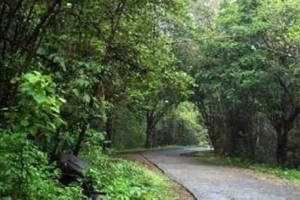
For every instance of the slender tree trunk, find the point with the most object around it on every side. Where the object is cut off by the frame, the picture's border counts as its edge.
(80, 139)
(281, 151)
(53, 154)
(230, 132)
(212, 137)
(109, 130)
(251, 146)
(149, 131)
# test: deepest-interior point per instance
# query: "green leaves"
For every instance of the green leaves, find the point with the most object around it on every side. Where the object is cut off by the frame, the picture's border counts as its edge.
(38, 109)
(25, 167)
(250, 44)
(125, 180)
(72, 66)
(32, 77)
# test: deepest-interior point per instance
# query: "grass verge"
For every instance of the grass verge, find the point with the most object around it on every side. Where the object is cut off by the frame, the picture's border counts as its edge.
(118, 179)
(141, 149)
(292, 175)
(177, 190)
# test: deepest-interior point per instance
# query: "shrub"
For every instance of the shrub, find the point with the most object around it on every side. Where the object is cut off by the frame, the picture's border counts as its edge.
(25, 172)
(124, 180)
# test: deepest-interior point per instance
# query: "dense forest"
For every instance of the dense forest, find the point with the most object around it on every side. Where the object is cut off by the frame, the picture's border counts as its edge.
(81, 78)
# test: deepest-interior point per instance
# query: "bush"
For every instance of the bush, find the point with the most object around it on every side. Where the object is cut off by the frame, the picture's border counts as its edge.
(124, 180)
(26, 174)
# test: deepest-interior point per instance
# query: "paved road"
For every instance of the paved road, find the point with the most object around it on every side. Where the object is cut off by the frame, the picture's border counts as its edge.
(209, 182)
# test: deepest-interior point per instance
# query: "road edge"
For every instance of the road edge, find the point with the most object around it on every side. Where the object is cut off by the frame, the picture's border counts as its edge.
(164, 172)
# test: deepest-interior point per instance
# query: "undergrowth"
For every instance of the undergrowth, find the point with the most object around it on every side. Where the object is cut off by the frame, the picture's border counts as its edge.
(125, 180)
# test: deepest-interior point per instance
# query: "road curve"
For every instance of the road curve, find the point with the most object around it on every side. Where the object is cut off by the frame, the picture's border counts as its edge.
(210, 182)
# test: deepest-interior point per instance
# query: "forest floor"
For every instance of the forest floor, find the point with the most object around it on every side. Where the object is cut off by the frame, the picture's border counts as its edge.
(219, 182)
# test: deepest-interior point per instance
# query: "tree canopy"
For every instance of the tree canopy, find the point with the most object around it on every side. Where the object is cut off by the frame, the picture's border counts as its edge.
(78, 77)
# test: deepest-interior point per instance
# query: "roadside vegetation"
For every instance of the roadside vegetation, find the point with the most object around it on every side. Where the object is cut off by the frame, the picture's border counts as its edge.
(247, 75)
(210, 157)
(120, 179)
(69, 70)
(143, 149)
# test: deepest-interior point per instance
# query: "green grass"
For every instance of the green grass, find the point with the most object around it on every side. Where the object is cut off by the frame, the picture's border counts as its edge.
(142, 149)
(292, 175)
(125, 180)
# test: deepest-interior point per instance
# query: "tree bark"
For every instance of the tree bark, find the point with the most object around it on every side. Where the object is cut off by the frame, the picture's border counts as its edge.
(148, 143)
(80, 139)
(53, 154)
(149, 131)
(109, 130)
(283, 128)
(281, 151)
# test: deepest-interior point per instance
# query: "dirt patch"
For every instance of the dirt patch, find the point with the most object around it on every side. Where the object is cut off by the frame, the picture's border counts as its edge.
(182, 192)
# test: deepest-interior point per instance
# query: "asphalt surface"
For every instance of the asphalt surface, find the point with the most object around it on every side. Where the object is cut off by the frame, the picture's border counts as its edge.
(210, 182)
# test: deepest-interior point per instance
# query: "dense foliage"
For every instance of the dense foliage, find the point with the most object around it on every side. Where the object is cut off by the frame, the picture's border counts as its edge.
(79, 76)
(119, 179)
(247, 76)
(65, 68)
(179, 126)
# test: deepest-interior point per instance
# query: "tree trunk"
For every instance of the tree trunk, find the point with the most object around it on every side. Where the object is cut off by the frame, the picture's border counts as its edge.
(53, 154)
(80, 139)
(251, 146)
(148, 143)
(281, 151)
(149, 131)
(109, 130)
(212, 138)
(230, 133)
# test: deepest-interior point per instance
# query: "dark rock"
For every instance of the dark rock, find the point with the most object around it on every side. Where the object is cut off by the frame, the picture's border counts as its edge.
(72, 168)
(69, 163)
